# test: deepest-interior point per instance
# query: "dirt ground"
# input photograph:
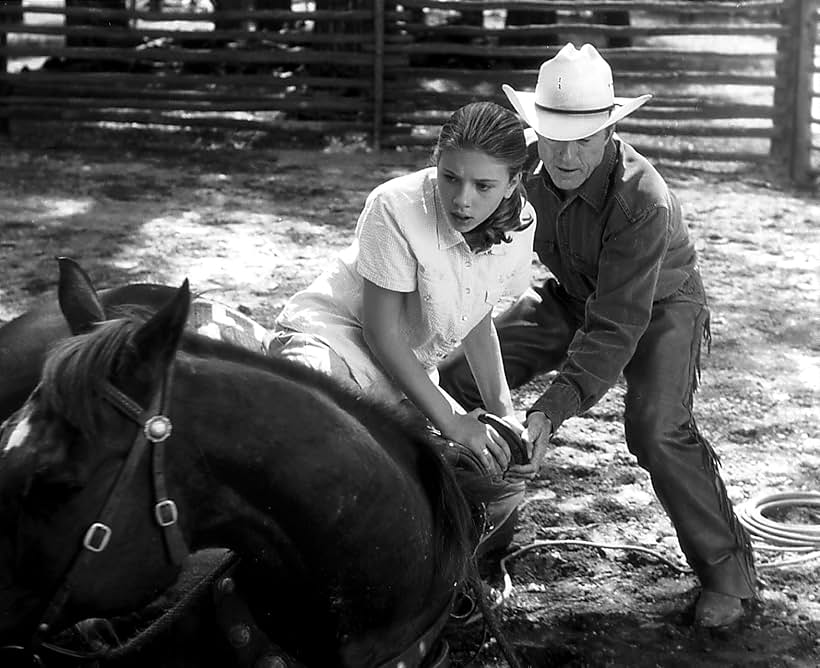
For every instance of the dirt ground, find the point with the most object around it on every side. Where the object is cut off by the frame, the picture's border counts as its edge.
(249, 224)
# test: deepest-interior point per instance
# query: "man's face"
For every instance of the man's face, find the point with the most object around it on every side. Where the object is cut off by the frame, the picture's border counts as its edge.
(569, 163)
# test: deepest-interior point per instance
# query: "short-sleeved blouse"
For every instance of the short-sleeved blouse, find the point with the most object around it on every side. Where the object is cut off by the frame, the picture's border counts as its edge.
(404, 242)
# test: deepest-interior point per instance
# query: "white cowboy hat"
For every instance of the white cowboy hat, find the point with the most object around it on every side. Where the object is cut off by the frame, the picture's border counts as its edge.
(574, 96)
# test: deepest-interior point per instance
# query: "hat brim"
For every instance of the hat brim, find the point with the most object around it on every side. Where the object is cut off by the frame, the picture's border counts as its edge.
(568, 127)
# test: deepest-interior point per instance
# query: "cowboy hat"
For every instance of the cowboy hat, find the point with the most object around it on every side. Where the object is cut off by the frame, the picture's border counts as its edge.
(574, 96)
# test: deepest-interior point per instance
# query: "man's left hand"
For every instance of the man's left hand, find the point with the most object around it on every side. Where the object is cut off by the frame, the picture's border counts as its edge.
(536, 435)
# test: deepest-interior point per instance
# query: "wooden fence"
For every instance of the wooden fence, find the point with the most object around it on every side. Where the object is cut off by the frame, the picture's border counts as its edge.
(732, 81)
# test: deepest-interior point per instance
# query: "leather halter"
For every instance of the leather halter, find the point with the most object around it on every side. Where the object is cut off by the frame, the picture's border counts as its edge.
(156, 428)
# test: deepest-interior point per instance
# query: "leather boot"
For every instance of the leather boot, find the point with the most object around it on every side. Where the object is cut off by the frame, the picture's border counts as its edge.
(715, 610)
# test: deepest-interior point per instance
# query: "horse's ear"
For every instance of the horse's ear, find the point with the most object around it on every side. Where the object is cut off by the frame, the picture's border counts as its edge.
(159, 337)
(78, 299)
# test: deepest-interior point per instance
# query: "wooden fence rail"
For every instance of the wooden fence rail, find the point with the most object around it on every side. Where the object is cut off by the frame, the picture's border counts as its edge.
(731, 81)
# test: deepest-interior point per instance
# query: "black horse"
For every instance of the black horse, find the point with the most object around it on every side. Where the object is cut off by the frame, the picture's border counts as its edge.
(352, 530)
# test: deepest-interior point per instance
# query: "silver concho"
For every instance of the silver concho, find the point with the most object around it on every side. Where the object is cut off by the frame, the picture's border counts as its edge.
(157, 428)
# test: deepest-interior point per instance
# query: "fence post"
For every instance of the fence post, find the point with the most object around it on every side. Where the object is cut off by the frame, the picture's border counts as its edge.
(378, 73)
(800, 164)
(782, 116)
(4, 68)
(9, 17)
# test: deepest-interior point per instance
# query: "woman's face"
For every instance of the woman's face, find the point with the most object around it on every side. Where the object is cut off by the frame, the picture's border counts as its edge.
(472, 185)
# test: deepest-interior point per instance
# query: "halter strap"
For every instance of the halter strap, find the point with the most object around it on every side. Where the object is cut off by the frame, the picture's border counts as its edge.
(156, 429)
(99, 532)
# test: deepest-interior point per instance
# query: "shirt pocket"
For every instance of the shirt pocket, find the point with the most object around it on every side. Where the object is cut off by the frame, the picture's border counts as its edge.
(586, 266)
(546, 250)
(582, 246)
(499, 288)
(435, 298)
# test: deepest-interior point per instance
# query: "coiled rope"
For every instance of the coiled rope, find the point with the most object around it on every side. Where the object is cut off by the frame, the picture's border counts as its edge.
(769, 535)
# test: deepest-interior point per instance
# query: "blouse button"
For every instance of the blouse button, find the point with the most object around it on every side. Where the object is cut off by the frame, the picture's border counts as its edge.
(468, 290)
(463, 318)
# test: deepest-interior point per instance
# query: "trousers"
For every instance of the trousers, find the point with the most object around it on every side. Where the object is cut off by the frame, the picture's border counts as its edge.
(659, 424)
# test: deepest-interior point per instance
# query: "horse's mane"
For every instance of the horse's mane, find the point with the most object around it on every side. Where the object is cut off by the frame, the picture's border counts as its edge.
(74, 368)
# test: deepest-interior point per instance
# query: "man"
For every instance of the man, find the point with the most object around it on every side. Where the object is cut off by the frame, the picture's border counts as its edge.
(625, 297)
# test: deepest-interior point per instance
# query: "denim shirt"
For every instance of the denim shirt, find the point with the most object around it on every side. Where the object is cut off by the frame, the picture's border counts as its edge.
(616, 245)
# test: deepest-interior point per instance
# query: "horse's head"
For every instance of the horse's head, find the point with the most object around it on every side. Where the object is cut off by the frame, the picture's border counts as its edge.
(26, 340)
(79, 533)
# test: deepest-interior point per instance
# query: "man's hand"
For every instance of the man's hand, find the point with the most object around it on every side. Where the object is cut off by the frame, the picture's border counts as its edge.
(538, 432)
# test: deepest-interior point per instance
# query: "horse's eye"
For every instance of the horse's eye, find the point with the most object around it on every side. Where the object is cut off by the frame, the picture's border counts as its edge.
(48, 490)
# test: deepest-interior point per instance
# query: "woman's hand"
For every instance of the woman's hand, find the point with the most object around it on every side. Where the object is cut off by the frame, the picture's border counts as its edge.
(481, 439)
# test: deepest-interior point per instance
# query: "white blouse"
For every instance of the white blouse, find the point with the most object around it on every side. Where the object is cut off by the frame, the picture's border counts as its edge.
(405, 243)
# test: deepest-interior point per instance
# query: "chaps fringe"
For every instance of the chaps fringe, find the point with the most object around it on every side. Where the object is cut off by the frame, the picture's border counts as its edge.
(711, 462)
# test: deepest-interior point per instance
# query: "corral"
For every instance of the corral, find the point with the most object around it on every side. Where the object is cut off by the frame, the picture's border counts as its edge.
(731, 81)
(171, 172)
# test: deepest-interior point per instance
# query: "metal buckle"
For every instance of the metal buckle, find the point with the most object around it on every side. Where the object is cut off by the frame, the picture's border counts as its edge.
(97, 537)
(166, 512)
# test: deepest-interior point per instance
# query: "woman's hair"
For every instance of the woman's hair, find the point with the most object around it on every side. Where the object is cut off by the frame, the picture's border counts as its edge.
(497, 132)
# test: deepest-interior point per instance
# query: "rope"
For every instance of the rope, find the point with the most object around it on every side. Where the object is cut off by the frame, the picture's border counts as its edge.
(508, 586)
(773, 536)
(491, 619)
(767, 534)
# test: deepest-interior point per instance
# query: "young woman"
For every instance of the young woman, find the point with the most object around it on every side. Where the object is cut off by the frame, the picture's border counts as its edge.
(434, 252)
